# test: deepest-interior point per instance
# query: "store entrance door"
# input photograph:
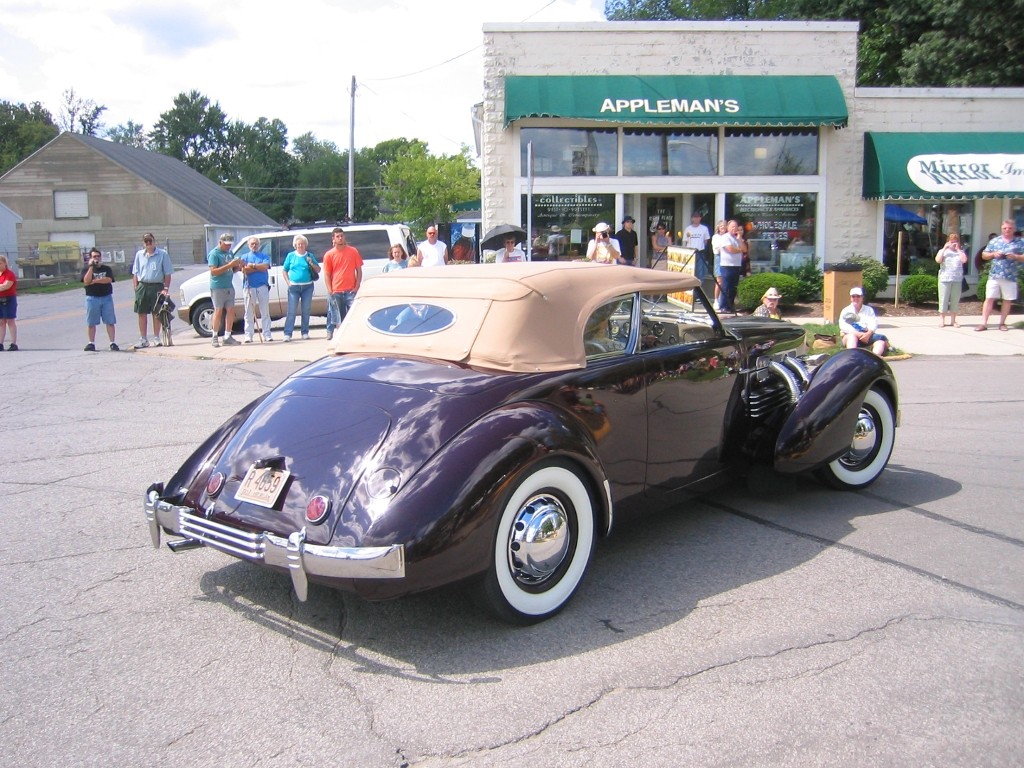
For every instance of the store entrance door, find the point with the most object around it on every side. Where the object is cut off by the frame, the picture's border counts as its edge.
(661, 212)
(674, 211)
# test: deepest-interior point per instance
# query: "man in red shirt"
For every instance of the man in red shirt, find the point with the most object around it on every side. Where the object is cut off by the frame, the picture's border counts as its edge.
(343, 272)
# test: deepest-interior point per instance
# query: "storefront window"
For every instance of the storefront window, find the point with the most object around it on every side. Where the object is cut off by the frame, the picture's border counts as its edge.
(771, 152)
(1017, 207)
(779, 228)
(563, 224)
(669, 153)
(570, 151)
(916, 230)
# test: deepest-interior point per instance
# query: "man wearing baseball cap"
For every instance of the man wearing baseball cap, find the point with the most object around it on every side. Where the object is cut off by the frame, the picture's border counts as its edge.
(858, 325)
(222, 288)
(628, 241)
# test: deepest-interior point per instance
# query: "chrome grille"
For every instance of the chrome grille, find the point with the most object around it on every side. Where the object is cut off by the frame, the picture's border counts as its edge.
(222, 537)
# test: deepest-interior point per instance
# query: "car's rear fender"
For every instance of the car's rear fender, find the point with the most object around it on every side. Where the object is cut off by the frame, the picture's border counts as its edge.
(187, 485)
(445, 514)
(823, 421)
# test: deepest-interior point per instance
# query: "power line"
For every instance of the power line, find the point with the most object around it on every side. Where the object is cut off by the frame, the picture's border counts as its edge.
(448, 61)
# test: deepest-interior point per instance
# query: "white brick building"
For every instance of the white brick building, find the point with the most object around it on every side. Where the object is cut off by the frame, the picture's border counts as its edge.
(757, 121)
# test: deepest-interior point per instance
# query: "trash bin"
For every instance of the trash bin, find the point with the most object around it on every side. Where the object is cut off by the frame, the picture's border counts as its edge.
(839, 279)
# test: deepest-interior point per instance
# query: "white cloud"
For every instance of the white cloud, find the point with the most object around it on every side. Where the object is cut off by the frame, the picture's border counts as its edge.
(418, 65)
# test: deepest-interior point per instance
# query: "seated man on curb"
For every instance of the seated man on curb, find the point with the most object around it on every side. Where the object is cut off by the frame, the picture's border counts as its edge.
(858, 325)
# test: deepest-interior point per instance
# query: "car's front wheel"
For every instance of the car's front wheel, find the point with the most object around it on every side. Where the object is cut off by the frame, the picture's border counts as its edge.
(870, 448)
(542, 545)
(202, 318)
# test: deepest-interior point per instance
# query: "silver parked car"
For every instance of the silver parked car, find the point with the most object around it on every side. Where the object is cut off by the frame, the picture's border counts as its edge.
(373, 241)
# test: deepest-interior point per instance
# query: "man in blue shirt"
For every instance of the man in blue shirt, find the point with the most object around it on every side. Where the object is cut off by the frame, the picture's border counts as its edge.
(1005, 252)
(256, 283)
(151, 276)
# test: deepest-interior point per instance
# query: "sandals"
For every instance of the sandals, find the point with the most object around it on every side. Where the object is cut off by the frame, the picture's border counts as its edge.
(981, 328)
(1003, 328)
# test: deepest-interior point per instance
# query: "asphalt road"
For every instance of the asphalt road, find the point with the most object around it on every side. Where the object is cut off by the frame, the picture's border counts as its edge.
(783, 624)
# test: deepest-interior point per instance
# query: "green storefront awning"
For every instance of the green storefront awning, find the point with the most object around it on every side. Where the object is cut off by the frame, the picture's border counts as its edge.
(916, 166)
(682, 100)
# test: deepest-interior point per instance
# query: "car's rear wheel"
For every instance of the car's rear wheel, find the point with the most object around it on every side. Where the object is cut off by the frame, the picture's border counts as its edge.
(542, 545)
(870, 448)
(202, 318)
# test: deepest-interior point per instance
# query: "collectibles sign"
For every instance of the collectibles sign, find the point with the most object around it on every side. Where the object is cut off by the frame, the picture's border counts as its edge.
(955, 174)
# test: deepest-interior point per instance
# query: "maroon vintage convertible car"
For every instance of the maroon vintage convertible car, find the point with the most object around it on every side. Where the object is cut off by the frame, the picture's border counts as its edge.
(490, 422)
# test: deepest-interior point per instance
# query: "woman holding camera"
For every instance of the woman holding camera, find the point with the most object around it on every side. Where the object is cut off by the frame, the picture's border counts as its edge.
(951, 259)
(604, 249)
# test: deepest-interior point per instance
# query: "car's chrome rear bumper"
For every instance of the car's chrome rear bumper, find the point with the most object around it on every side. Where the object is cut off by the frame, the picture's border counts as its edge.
(294, 553)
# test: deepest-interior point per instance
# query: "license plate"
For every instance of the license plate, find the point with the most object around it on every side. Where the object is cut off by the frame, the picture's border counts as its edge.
(262, 486)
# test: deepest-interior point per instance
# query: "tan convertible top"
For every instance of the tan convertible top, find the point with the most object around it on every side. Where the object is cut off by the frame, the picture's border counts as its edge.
(514, 317)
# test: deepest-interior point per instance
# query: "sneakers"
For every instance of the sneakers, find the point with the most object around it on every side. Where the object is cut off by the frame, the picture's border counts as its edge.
(142, 343)
(247, 340)
(157, 342)
(12, 347)
(90, 347)
(230, 341)
(287, 338)
(305, 337)
(114, 347)
(268, 338)
(216, 341)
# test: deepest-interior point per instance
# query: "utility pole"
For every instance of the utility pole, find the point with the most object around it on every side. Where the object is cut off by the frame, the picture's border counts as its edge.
(352, 151)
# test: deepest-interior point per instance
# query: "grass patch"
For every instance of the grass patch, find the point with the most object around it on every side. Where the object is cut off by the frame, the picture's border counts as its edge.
(61, 287)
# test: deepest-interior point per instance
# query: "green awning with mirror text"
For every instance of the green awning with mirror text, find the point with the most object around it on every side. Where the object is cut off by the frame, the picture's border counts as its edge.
(679, 100)
(947, 166)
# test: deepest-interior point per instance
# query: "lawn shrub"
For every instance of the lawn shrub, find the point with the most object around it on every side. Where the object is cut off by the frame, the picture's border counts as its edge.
(751, 289)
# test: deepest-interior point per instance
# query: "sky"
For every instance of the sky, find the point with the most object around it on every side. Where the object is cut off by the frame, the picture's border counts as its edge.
(418, 65)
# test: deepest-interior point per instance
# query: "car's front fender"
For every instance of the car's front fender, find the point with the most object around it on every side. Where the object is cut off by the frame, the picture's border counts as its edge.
(822, 423)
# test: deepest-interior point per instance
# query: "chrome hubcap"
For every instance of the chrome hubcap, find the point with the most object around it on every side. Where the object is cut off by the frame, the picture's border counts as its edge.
(865, 440)
(540, 539)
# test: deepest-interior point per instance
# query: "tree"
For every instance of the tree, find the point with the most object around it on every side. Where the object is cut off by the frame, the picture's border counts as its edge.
(78, 115)
(259, 168)
(937, 43)
(130, 134)
(728, 10)
(421, 189)
(23, 130)
(323, 181)
(195, 132)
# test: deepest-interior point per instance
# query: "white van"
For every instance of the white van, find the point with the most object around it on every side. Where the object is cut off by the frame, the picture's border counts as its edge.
(373, 241)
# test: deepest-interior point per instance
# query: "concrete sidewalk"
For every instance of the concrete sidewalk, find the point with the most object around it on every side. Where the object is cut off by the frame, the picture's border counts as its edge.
(912, 335)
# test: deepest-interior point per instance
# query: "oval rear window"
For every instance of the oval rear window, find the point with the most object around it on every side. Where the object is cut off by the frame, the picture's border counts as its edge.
(411, 319)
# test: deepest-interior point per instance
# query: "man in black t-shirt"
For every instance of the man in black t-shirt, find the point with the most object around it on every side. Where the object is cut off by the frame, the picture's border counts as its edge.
(99, 299)
(628, 241)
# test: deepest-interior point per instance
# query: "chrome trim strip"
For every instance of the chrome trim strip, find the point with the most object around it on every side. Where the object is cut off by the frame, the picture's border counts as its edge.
(300, 558)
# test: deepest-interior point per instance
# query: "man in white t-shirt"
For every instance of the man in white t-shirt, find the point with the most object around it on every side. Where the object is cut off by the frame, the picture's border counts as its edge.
(432, 252)
(696, 236)
(730, 256)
